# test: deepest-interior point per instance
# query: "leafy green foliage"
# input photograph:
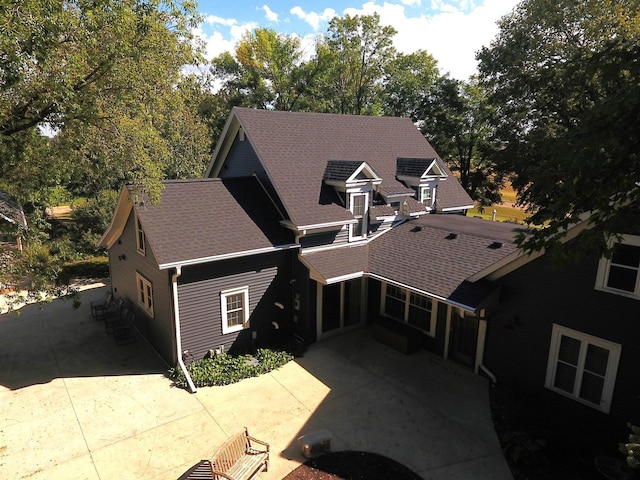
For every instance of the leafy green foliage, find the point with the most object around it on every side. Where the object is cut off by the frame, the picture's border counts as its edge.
(564, 79)
(631, 449)
(226, 369)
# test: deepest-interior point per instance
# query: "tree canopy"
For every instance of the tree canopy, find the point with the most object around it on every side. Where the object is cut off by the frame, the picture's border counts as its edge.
(564, 78)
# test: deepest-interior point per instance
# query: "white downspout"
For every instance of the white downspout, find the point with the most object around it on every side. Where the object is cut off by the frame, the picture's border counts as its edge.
(176, 316)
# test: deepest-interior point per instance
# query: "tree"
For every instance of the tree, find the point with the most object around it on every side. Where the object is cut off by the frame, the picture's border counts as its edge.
(354, 56)
(455, 119)
(564, 78)
(90, 66)
(408, 80)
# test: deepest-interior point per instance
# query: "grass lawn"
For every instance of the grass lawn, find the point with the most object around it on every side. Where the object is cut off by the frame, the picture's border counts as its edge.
(505, 211)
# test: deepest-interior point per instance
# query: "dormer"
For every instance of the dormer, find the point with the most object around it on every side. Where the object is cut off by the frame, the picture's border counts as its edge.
(422, 175)
(355, 182)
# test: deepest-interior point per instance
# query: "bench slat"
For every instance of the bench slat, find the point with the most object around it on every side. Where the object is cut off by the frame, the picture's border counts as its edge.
(238, 459)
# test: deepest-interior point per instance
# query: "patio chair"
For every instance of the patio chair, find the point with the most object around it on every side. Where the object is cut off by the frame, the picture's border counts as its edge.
(104, 303)
(111, 321)
(113, 310)
(123, 330)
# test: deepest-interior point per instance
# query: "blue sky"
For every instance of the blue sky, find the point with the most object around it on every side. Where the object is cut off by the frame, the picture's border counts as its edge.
(450, 30)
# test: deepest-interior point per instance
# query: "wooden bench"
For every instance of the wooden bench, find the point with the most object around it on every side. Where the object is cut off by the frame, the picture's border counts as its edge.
(239, 459)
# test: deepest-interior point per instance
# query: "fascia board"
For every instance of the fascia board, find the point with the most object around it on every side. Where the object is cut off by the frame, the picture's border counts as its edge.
(223, 146)
(118, 221)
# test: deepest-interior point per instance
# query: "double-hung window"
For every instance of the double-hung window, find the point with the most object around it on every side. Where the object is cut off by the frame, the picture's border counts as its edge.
(359, 208)
(621, 273)
(408, 307)
(425, 196)
(582, 367)
(235, 309)
(145, 294)
(140, 240)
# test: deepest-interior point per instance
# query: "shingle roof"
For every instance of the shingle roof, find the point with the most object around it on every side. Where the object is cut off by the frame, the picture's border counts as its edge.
(413, 167)
(198, 219)
(340, 169)
(430, 259)
(425, 255)
(295, 147)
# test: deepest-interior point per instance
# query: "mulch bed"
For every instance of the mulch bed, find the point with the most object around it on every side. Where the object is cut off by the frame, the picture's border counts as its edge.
(352, 465)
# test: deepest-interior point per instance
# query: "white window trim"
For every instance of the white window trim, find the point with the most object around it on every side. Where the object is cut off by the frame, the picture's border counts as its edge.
(604, 265)
(407, 302)
(141, 240)
(145, 295)
(365, 216)
(585, 339)
(245, 309)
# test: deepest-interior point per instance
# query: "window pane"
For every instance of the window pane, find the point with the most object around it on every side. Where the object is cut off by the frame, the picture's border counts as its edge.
(622, 278)
(626, 255)
(234, 302)
(592, 387)
(569, 350)
(394, 302)
(419, 318)
(234, 318)
(358, 228)
(358, 205)
(597, 359)
(565, 377)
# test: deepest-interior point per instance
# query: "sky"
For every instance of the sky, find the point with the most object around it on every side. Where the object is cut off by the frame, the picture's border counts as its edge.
(450, 30)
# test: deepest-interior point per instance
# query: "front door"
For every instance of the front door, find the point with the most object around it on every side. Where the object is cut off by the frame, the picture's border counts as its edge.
(341, 306)
(464, 338)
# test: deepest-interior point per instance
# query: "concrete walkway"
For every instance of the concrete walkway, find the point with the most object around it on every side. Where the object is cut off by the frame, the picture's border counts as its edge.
(76, 406)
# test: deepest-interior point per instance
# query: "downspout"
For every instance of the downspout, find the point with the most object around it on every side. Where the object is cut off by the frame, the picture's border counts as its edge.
(176, 316)
(488, 373)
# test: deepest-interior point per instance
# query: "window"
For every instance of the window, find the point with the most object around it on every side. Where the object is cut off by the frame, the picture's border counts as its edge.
(140, 240)
(235, 309)
(359, 209)
(408, 307)
(582, 367)
(425, 195)
(145, 294)
(619, 274)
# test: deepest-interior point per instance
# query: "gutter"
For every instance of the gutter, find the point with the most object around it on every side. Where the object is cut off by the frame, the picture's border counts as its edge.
(176, 316)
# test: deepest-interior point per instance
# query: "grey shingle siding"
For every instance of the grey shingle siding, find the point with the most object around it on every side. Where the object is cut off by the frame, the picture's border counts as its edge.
(160, 329)
(267, 277)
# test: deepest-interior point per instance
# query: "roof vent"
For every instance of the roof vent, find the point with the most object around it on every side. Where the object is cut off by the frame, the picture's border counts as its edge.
(417, 228)
(497, 244)
(452, 235)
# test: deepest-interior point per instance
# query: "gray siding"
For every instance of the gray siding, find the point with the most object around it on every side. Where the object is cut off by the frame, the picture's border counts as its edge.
(539, 294)
(267, 277)
(242, 161)
(333, 237)
(159, 330)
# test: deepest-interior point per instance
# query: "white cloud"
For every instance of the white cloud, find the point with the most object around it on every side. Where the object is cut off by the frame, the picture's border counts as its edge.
(452, 35)
(217, 41)
(270, 14)
(313, 18)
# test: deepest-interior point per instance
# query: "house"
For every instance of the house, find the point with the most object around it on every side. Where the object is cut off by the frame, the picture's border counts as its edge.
(308, 225)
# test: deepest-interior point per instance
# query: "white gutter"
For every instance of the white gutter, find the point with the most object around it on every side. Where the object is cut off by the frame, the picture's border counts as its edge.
(226, 256)
(176, 316)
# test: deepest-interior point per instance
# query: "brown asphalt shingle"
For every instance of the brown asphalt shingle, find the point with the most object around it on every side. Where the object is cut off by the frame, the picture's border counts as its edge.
(197, 219)
(295, 148)
(338, 262)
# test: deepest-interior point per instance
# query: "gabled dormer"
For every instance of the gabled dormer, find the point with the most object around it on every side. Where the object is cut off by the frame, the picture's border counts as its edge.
(355, 182)
(423, 176)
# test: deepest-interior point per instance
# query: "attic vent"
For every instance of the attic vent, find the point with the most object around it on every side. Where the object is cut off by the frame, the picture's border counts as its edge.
(241, 135)
(417, 228)
(497, 244)
(452, 235)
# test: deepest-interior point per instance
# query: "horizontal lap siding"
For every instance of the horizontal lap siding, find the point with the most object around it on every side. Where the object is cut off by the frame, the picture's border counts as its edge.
(267, 277)
(158, 330)
(538, 295)
(334, 237)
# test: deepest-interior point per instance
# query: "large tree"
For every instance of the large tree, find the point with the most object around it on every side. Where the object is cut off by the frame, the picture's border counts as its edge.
(565, 79)
(86, 65)
(354, 55)
(455, 118)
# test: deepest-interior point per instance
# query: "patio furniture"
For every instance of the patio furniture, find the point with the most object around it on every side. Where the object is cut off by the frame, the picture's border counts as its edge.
(113, 310)
(123, 329)
(239, 459)
(99, 306)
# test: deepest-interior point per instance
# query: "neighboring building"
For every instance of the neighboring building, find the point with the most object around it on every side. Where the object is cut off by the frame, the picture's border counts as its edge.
(312, 224)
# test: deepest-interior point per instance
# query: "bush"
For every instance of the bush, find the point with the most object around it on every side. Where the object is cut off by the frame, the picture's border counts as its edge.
(632, 449)
(225, 369)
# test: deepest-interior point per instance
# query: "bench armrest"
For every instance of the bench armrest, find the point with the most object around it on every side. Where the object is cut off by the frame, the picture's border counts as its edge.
(253, 439)
(217, 473)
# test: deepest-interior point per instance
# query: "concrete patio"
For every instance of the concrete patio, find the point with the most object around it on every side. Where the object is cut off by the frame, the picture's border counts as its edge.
(75, 405)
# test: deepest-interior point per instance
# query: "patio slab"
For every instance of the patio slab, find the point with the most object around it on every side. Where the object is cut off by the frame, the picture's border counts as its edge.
(74, 405)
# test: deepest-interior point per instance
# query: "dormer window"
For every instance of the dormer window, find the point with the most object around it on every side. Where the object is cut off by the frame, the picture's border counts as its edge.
(423, 175)
(426, 195)
(355, 181)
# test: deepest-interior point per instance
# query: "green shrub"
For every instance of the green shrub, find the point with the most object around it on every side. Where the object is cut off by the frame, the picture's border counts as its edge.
(225, 369)
(631, 450)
